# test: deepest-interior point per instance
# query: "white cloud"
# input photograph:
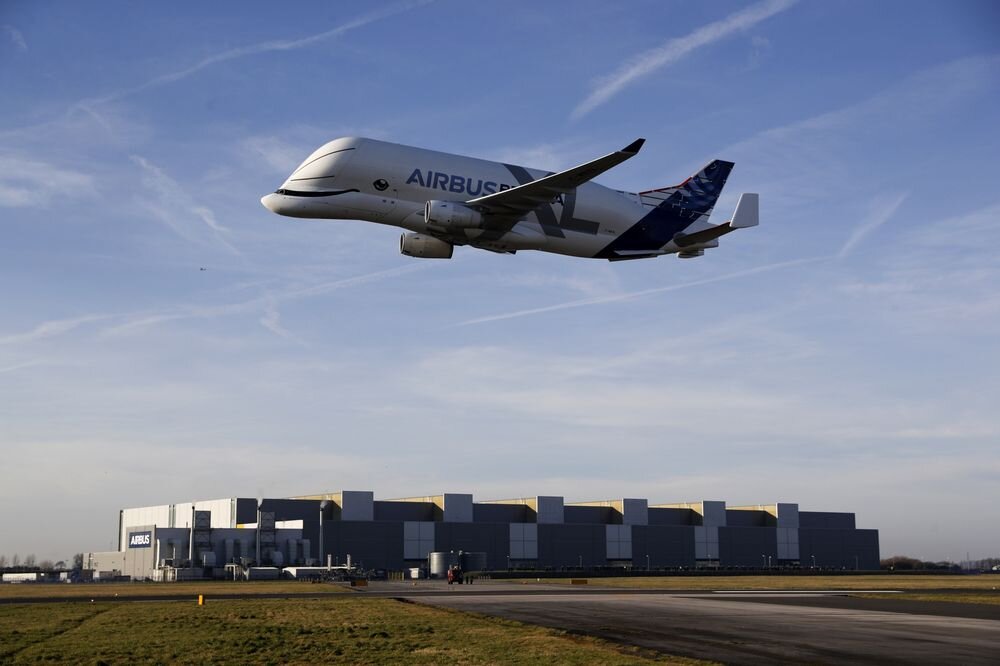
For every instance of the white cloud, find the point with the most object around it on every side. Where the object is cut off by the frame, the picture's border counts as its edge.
(938, 276)
(649, 61)
(16, 38)
(265, 304)
(765, 399)
(30, 182)
(760, 46)
(805, 166)
(550, 156)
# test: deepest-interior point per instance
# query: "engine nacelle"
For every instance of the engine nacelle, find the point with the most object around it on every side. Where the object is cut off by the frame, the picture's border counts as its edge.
(451, 215)
(424, 246)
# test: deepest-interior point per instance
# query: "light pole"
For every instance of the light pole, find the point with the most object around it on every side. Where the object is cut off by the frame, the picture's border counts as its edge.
(508, 562)
(763, 558)
(647, 562)
(581, 562)
(814, 560)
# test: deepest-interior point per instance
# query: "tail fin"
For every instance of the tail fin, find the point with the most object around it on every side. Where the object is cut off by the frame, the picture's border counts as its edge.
(696, 196)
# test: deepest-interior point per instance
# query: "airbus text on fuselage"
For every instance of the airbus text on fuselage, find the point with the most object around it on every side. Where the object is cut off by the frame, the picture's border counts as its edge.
(444, 200)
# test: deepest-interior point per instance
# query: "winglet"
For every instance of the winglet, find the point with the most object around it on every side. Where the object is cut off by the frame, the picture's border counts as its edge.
(747, 212)
(634, 146)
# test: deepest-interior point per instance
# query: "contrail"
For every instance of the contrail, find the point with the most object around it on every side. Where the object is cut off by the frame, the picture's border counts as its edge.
(597, 300)
(882, 214)
(49, 329)
(253, 49)
(261, 303)
(675, 49)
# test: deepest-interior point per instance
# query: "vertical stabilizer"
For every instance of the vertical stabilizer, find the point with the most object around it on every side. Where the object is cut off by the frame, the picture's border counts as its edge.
(695, 197)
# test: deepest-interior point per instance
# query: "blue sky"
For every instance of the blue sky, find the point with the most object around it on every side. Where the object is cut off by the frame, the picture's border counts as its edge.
(842, 355)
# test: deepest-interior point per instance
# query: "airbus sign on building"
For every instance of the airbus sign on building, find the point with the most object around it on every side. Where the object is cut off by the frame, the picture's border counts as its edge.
(140, 540)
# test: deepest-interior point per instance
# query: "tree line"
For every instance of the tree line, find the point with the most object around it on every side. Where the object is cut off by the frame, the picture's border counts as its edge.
(30, 563)
(903, 563)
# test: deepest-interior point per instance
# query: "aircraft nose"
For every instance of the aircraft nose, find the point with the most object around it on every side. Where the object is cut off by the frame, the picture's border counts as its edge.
(272, 202)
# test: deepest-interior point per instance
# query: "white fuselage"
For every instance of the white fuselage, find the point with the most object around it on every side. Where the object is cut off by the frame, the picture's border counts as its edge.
(390, 183)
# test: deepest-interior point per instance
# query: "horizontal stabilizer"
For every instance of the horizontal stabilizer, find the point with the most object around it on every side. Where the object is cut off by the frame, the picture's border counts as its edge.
(747, 214)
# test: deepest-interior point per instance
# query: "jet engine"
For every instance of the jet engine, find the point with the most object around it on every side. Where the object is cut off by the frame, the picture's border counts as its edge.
(427, 247)
(450, 216)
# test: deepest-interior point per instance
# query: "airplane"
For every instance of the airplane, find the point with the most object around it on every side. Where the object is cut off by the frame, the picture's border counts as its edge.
(444, 200)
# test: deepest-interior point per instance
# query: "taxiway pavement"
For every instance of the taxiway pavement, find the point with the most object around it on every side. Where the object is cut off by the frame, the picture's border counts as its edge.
(744, 629)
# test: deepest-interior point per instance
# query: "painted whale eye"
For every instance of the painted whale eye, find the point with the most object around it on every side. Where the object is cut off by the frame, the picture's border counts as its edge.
(381, 184)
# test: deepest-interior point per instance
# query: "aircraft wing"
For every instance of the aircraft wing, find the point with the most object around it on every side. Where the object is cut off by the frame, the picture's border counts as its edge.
(521, 200)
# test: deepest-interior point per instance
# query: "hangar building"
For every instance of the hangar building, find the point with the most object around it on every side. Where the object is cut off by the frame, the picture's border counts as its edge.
(541, 532)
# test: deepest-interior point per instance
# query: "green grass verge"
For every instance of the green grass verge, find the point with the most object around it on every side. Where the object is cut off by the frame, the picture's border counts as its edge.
(333, 630)
(183, 589)
(820, 582)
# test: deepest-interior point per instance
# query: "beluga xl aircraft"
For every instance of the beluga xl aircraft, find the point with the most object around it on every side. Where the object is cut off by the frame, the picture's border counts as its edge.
(444, 200)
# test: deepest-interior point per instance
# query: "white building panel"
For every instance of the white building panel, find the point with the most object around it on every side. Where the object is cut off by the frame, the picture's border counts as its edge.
(147, 515)
(223, 511)
(182, 516)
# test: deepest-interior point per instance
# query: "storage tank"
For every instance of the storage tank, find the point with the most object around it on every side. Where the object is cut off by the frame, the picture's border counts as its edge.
(440, 562)
(472, 561)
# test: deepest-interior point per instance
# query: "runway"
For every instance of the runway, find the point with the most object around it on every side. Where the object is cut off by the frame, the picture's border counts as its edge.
(746, 629)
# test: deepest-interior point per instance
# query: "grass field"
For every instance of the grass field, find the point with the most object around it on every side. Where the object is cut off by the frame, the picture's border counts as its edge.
(185, 589)
(333, 630)
(820, 582)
